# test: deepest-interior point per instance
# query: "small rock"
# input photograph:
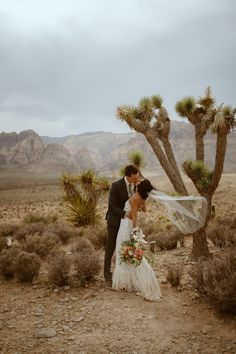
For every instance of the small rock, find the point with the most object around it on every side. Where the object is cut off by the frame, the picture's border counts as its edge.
(66, 328)
(73, 298)
(80, 319)
(71, 338)
(46, 333)
(66, 287)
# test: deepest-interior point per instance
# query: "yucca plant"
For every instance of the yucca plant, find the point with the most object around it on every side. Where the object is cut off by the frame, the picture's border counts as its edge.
(82, 195)
(81, 212)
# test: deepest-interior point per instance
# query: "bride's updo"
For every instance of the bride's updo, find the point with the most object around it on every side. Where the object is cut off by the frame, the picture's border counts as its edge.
(144, 187)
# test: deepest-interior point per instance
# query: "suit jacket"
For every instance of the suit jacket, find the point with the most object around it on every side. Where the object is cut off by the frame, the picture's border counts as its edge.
(117, 197)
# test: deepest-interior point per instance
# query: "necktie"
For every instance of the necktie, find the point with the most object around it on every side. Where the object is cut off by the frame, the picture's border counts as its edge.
(129, 189)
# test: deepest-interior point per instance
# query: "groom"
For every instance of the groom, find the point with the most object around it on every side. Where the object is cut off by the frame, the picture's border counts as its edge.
(120, 192)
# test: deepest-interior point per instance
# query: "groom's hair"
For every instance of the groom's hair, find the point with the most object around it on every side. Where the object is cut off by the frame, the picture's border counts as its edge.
(144, 187)
(131, 170)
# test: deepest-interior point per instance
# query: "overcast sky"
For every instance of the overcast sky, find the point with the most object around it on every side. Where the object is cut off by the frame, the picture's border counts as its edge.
(65, 65)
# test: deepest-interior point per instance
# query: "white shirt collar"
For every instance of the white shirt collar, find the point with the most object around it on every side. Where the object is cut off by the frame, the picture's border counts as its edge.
(127, 182)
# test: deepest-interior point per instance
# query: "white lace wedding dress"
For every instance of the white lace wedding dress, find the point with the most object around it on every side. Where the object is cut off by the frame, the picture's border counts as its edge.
(140, 279)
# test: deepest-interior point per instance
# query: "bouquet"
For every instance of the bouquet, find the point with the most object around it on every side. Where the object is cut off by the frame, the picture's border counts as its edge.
(132, 250)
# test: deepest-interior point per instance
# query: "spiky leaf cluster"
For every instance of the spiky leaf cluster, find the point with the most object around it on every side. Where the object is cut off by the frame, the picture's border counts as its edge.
(157, 101)
(137, 159)
(199, 173)
(185, 106)
(223, 120)
(207, 101)
(80, 212)
(67, 184)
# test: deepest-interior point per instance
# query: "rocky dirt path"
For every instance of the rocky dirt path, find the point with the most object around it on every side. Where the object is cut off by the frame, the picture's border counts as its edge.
(98, 320)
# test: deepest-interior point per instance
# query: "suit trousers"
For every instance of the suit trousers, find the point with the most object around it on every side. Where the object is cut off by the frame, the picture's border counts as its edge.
(112, 232)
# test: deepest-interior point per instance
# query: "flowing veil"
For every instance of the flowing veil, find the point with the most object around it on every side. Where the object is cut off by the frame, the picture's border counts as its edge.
(187, 213)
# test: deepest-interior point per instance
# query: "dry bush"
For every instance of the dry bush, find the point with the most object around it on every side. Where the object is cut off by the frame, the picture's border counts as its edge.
(97, 235)
(8, 229)
(41, 245)
(64, 232)
(215, 280)
(227, 220)
(150, 227)
(87, 265)
(3, 244)
(7, 262)
(35, 218)
(167, 240)
(30, 229)
(174, 273)
(82, 245)
(27, 266)
(59, 269)
(222, 236)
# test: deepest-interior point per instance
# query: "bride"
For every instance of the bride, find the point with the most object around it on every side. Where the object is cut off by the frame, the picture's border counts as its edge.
(187, 213)
(140, 278)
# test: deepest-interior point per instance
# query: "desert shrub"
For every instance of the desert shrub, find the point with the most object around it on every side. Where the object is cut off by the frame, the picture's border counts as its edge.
(41, 245)
(82, 245)
(35, 218)
(222, 236)
(86, 265)
(227, 220)
(59, 269)
(215, 280)
(167, 240)
(27, 266)
(64, 231)
(7, 262)
(30, 229)
(3, 243)
(8, 229)
(174, 273)
(97, 235)
(150, 227)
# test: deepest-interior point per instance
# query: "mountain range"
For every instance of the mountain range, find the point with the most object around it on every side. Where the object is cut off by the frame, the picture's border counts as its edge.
(105, 152)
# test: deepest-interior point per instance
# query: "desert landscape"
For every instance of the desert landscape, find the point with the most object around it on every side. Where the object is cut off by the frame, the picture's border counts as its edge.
(40, 317)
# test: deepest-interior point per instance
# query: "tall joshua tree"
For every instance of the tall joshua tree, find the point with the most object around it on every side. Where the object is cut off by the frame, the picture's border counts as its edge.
(151, 119)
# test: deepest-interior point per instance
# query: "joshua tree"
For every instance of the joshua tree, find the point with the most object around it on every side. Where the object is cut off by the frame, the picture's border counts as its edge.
(82, 194)
(151, 119)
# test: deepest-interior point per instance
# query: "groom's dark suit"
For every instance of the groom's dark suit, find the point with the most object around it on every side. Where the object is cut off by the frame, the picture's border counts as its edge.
(117, 198)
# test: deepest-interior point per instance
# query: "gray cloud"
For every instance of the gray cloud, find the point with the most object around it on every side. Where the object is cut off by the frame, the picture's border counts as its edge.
(67, 76)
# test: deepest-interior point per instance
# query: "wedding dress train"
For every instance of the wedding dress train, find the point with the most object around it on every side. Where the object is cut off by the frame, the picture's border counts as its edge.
(141, 278)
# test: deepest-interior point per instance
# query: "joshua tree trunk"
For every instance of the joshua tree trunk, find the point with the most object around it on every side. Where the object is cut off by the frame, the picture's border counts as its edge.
(221, 144)
(171, 157)
(176, 180)
(199, 138)
(200, 247)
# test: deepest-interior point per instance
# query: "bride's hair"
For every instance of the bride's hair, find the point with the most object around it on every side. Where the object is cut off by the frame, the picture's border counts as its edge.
(144, 188)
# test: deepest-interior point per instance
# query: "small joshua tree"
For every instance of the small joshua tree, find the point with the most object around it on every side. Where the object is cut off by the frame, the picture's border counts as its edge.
(151, 119)
(82, 195)
(136, 158)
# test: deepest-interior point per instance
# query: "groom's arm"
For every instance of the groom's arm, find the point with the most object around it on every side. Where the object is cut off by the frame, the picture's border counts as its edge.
(114, 201)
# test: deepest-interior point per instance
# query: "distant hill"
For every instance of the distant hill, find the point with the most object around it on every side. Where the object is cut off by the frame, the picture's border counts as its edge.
(103, 151)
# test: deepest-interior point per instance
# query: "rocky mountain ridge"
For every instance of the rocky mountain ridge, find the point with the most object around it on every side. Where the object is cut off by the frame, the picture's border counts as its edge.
(103, 151)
